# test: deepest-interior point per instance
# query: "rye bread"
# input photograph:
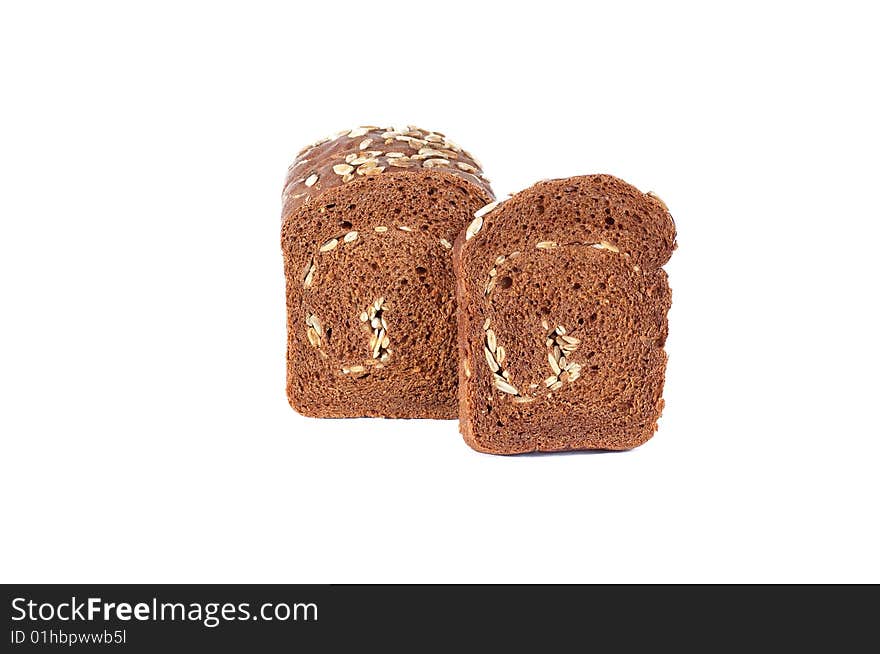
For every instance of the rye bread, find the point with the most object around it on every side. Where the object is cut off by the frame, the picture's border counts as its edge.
(368, 223)
(563, 318)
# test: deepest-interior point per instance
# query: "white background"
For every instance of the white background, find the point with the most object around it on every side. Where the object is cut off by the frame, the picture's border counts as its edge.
(145, 430)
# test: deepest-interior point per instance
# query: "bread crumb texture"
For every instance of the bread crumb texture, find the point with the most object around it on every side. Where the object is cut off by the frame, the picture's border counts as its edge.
(563, 318)
(368, 264)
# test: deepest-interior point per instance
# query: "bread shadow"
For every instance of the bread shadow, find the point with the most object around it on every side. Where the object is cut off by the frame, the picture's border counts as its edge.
(559, 453)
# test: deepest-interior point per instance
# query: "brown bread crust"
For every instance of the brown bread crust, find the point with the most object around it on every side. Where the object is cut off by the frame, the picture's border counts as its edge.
(367, 151)
(370, 288)
(563, 317)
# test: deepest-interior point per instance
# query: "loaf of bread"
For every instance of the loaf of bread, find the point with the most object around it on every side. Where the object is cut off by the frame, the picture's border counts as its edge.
(369, 218)
(562, 317)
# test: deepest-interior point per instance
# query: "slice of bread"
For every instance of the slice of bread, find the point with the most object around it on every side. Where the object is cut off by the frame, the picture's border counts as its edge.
(367, 231)
(562, 318)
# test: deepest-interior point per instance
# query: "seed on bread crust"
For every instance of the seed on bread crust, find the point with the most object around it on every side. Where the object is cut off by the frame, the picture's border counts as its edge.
(354, 148)
(493, 365)
(474, 228)
(559, 345)
(491, 340)
(495, 355)
(554, 363)
(310, 274)
(504, 386)
(651, 194)
(314, 330)
(479, 213)
(379, 339)
(477, 223)
(605, 245)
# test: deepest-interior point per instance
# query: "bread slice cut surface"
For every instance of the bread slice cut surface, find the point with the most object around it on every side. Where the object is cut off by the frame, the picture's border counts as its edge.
(370, 288)
(562, 318)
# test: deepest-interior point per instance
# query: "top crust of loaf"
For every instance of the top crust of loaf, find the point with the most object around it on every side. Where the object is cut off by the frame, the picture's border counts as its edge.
(605, 210)
(366, 151)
